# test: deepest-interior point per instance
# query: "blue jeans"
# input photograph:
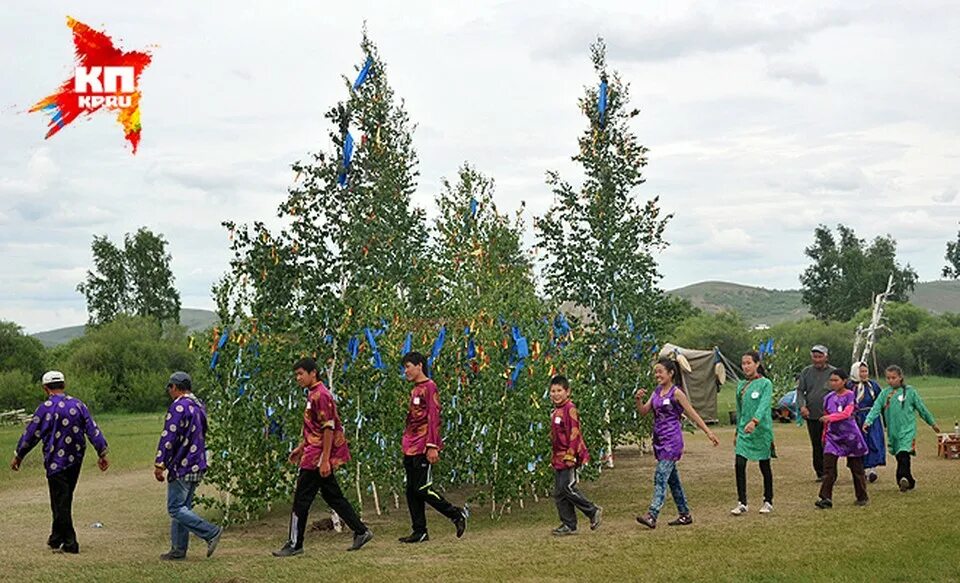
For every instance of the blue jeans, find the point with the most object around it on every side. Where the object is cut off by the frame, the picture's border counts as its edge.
(183, 519)
(666, 475)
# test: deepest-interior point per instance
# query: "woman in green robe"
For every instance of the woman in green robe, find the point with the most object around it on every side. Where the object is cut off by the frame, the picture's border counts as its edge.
(898, 403)
(754, 440)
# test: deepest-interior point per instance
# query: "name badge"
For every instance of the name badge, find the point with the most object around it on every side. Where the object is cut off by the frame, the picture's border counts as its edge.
(557, 420)
(308, 405)
(839, 408)
(900, 398)
(666, 401)
(416, 400)
(755, 395)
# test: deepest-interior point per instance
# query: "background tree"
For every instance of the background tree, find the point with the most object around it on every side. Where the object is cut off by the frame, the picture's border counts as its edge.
(22, 362)
(135, 280)
(846, 274)
(952, 268)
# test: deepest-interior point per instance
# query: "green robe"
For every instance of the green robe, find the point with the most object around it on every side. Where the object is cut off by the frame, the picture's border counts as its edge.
(754, 403)
(898, 415)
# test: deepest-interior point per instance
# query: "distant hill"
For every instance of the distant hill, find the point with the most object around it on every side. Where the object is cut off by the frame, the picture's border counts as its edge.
(770, 306)
(194, 320)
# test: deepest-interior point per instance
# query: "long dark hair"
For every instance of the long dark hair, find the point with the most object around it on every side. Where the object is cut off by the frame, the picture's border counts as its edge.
(674, 369)
(755, 357)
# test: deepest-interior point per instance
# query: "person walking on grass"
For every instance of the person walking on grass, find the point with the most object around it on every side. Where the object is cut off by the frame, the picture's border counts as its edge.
(841, 438)
(322, 450)
(182, 454)
(867, 391)
(63, 424)
(897, 404)
(754, 438)
(668, 402)
(569, 453)
(421, 450)
(811, 390)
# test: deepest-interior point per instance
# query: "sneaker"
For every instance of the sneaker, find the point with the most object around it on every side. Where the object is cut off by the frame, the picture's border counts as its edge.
(461, 524)
(682, 520)
(288, 550)
(647, 520)
(823, 503)
(212, 543)
(596, 518)
(173, 555)
(361, 539)
(415, 538)
(863, 502)
(819, 479)
(740, 509)
(564, 531)
(73, 549)
(767, 508)
(904, 484)
(872, 477)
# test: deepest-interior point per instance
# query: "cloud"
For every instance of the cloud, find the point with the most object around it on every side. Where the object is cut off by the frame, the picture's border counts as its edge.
(948, 195)
(638, 37)
(796, 73)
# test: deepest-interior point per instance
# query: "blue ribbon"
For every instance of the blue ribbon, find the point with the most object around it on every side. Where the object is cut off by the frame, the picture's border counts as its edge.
(363, 73)
(371, 340)
(437, 346)
(347, 155)
(602, 101)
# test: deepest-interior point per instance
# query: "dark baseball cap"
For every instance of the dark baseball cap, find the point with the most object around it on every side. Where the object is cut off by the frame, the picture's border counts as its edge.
(181, 379)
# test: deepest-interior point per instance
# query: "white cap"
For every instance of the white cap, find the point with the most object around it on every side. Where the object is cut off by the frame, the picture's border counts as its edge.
(53, 376)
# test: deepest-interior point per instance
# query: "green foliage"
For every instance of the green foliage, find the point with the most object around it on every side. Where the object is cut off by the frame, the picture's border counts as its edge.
(937, 349)
(600, 238)
(846, 275)
(135, 280)
(726, 331)
(19, 351)
(124, 365)
(952, 268)
(18, 390)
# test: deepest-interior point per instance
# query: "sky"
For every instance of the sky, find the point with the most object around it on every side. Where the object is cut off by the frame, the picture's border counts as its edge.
(763, 119)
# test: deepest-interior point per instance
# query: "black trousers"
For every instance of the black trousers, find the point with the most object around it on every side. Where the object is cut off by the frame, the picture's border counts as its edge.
(309, 482)
(767, 472)
(568, 498)
(903, 469)
(62, 485)
(420, 492)
(815, 429)
(830, 476)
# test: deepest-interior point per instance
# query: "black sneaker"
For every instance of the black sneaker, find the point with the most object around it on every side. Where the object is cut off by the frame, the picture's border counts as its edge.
(564, 531)
(415, 538)
(823, 503)
(872, 477)
(288, 550)
(54, 544)
(596, 518)
(819, 479)
(361, 539)
(863, 502)
(647, 520)
(173, 555)
(461, 524)
(904, 484)
(212, 543)
(73, 549)
(682, 520)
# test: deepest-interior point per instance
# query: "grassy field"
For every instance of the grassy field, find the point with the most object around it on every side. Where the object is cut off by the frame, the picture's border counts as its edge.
(898, 537)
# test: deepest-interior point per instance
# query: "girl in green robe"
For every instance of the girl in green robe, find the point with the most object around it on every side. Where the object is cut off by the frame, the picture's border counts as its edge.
(897, 403)
(754, 440)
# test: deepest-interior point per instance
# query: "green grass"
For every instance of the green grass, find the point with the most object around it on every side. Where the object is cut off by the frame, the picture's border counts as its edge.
(910, 537)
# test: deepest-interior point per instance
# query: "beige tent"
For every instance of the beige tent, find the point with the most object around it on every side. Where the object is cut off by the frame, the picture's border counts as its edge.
(704, 371)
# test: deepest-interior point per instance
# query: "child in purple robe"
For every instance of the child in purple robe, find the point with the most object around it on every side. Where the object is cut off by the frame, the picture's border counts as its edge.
(842, 437)
(668, 402)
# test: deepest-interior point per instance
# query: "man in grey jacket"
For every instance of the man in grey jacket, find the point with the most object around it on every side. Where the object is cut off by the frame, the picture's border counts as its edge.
(812, 388)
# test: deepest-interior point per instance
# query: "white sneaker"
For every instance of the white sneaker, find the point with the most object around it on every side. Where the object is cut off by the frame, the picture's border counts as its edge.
(740, 509)
(767, 508)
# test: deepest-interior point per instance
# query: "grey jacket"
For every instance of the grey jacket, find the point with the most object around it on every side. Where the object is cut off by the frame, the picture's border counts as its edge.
(813, 387)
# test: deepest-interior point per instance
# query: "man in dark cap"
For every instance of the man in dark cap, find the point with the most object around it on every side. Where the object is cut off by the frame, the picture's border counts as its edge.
(812, 387)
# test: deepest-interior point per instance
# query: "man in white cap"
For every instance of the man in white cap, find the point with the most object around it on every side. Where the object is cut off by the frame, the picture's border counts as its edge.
(812, 387)
(61, 423)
